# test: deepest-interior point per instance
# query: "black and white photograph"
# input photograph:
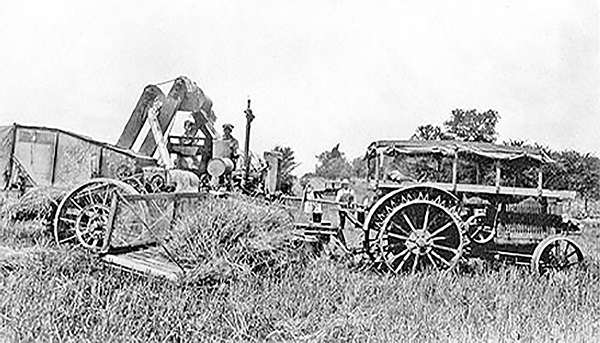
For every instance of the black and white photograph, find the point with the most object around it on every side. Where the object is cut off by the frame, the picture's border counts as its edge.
(300, 171)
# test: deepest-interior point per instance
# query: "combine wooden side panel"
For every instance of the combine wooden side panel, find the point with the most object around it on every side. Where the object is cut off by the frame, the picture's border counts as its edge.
(139, 227)
(34, 156)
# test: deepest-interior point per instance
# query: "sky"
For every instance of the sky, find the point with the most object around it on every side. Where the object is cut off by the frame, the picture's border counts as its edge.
(318, 73)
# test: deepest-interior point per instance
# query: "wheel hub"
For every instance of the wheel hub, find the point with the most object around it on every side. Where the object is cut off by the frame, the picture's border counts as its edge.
(90, 225)
(418, 242)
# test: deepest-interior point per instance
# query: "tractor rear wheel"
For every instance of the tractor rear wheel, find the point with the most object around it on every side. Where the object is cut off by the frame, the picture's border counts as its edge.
(374, 223)
(421, 234)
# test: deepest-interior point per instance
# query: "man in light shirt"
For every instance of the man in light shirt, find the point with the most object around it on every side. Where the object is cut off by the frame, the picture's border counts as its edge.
(344, 198)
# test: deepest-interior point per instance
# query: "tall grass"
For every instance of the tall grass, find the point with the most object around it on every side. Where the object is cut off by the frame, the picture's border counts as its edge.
(51, 294)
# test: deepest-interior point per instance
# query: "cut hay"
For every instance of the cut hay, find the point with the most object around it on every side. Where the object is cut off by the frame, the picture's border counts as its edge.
(36, 204)
(227, 238)
(15, 259)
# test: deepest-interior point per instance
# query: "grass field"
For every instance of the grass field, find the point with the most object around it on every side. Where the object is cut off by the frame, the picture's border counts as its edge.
(52, 294)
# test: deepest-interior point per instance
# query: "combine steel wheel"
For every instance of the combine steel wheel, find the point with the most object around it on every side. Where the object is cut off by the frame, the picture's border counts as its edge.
(421, 234)
(374, 223)
(82, 215)
(556, 253)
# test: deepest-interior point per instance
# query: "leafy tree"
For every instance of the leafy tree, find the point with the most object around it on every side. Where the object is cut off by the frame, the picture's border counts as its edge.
(571, 170)
(429, 133)
(359, 167)
(473, 126)
(333, 164)
(575, 171)
(464, 125)
(288, 164)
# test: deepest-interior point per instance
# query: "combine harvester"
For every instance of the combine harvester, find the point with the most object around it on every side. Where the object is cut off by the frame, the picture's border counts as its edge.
(129, 200)
(154, 179)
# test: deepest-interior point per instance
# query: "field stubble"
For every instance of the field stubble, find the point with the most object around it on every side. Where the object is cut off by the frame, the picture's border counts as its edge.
(51, 294)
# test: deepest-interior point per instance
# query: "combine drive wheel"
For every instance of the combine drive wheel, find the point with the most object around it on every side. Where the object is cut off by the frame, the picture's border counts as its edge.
(421, 234)
(556, 253)
(82, 215)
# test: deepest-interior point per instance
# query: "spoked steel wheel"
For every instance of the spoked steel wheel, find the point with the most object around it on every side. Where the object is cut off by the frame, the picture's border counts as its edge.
(479, 231)
(556, 253)
(82, 215)
(421, 234)
(374, 223)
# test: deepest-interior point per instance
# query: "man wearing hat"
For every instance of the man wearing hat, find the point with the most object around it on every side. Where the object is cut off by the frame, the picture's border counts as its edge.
(233, 143)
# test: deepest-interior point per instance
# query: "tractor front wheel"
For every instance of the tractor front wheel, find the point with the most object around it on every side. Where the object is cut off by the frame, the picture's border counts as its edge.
(556, 253)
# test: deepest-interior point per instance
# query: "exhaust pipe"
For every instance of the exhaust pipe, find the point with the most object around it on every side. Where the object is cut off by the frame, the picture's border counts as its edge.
(249, 119)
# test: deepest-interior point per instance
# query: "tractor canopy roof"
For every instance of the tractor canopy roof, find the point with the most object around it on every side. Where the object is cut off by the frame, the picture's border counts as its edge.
(456, 148)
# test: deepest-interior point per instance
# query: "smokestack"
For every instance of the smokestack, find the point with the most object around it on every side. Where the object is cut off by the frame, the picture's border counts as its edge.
(249, 119)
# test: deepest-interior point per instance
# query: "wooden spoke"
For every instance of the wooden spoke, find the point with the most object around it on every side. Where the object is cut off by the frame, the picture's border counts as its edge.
(412, 227)
(399, 228)
(105, 199)
(89, 196)
(571, 253)
(397, 270)
(415, 263)
(440, 230)
(395, 235)
(68, 220)
(426, 218)
(432, 261)
(477, 231)
(397, 256)
(76, 204)
(441, 247)
(67, 239)
(433, 253)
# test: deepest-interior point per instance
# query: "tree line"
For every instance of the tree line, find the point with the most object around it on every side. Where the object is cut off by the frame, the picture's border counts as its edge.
(571, 169)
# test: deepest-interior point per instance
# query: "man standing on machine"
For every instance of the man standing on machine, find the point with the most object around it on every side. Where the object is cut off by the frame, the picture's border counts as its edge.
(233, 143)
(344, 198)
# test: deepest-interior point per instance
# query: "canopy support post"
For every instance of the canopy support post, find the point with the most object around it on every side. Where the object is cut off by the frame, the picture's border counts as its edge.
(454, 172)
(377, 167)
(498, 176)
(540, 180)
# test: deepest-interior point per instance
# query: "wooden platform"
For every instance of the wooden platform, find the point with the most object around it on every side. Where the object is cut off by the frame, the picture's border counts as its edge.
(149, 260)
(312, 228)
